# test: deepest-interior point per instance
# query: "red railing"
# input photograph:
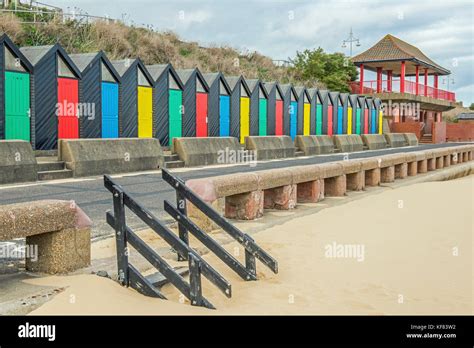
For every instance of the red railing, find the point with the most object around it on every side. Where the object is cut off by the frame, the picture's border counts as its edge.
(370, 87)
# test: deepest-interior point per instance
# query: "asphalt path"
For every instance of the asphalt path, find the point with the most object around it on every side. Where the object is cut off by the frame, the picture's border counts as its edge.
(150, 190)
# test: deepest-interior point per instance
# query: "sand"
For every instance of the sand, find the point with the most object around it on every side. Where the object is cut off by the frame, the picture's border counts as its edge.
(417, 259)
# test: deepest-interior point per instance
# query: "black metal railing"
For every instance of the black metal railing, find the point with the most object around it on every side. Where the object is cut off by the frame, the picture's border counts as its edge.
(128, 275)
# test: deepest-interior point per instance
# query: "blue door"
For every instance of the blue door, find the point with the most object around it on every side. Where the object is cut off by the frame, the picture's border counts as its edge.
(340, 111)
(374, 122)
(110, 101)
(224, 115)
(293, 119)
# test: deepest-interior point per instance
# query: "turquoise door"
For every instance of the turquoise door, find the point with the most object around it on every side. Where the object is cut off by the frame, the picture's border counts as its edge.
(224, 115)
(110, 118)
(293, 119)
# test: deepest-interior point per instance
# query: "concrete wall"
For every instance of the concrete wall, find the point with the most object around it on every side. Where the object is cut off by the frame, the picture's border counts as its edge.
(271, 147)
(314, 144)
(374, 141)
(17, 162)
(396, 139)
(207, 151)
(348, 143)
(87, 157)
(462, 131)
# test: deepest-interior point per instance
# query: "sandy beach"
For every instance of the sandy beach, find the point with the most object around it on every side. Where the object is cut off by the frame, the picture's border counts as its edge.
(401, 251)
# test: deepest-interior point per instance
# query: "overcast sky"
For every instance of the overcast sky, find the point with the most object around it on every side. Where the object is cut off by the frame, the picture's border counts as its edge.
(443, 30)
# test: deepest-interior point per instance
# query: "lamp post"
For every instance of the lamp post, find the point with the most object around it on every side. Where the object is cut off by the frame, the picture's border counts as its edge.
(447, 81)
(351, 39)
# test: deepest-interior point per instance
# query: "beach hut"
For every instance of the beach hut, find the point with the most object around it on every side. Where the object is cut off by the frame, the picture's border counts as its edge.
(195, 101)
(167, 103)
(290, 110)
(55, 95)
(333, 116)
(315, 118)
(304, 111)
(258, 107)
(274, 108)
(354, 112)
(15, 93)
(218, 105)
(344, 97)
(362, 114)
(366, 118)
(374, 118)
(98, 95)
(378, 106)
(326, 112)
(239, 108)
(136, 99)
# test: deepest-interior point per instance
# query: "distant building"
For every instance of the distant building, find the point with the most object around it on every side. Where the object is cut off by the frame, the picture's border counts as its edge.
(467, 117)
(400, 67)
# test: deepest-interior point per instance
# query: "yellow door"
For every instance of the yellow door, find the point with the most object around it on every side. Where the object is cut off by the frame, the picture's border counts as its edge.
(145, 112)
(380, 122)
(349, 120)
(306, 115)
(244, 118)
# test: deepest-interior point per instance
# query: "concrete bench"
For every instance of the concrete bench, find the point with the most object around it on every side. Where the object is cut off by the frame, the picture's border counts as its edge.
(208, 151)
(58, 230)
(314, 144)
(245, 196)
(17, 162)
(374, 141)
(87, 157)
(396, 139)
(348, 143)
(270, 147)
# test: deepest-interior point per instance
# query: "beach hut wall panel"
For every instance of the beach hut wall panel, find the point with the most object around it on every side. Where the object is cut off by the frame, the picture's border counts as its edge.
(366, 118)
(55, 87)
(15, 92)
(378, 106)
(274, 109)
(325, 112)
(258, 107)
(218, 105)
(333, 114)
(195, 101)
(354, 112)
(135, 99)
(314, 99)
(374, 118)
(344, 99)
(360, 118)
(167, 103)
(304, 111)
(99, 95)
(290, 110)
(239, 108)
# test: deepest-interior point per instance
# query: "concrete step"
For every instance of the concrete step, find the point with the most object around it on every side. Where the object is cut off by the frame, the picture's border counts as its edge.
(171, 157)
(55, 174)
(50, 166)
(174, 164)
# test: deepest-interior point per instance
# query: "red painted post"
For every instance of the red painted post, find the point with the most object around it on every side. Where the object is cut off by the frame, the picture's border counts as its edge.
(417, 79)
(402, 77)
(426, 82)
(389, 80)
(379, 79)
(435, 86)
(361, 88)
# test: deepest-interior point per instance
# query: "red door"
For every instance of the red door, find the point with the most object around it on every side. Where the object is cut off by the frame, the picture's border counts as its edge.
(330, 116)
(279, 117)
(68, 97)
(366, 121)
(201, 114)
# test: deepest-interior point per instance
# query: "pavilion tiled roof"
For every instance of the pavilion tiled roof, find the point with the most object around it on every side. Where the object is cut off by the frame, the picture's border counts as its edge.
(391, 48)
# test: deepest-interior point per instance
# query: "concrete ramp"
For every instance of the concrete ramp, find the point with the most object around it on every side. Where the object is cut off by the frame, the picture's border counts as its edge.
(17, 162)
(207, 151)
(411, 139)
(86, 157)
(270, 147)
(396, 139)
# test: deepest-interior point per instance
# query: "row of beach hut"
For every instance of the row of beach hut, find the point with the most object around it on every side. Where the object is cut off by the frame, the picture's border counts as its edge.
(47, 94)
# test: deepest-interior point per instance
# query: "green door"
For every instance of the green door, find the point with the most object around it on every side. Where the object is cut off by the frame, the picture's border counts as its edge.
(175, 112)
(358, 121)
(319, 119)
(17, 106)
(262, 117)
